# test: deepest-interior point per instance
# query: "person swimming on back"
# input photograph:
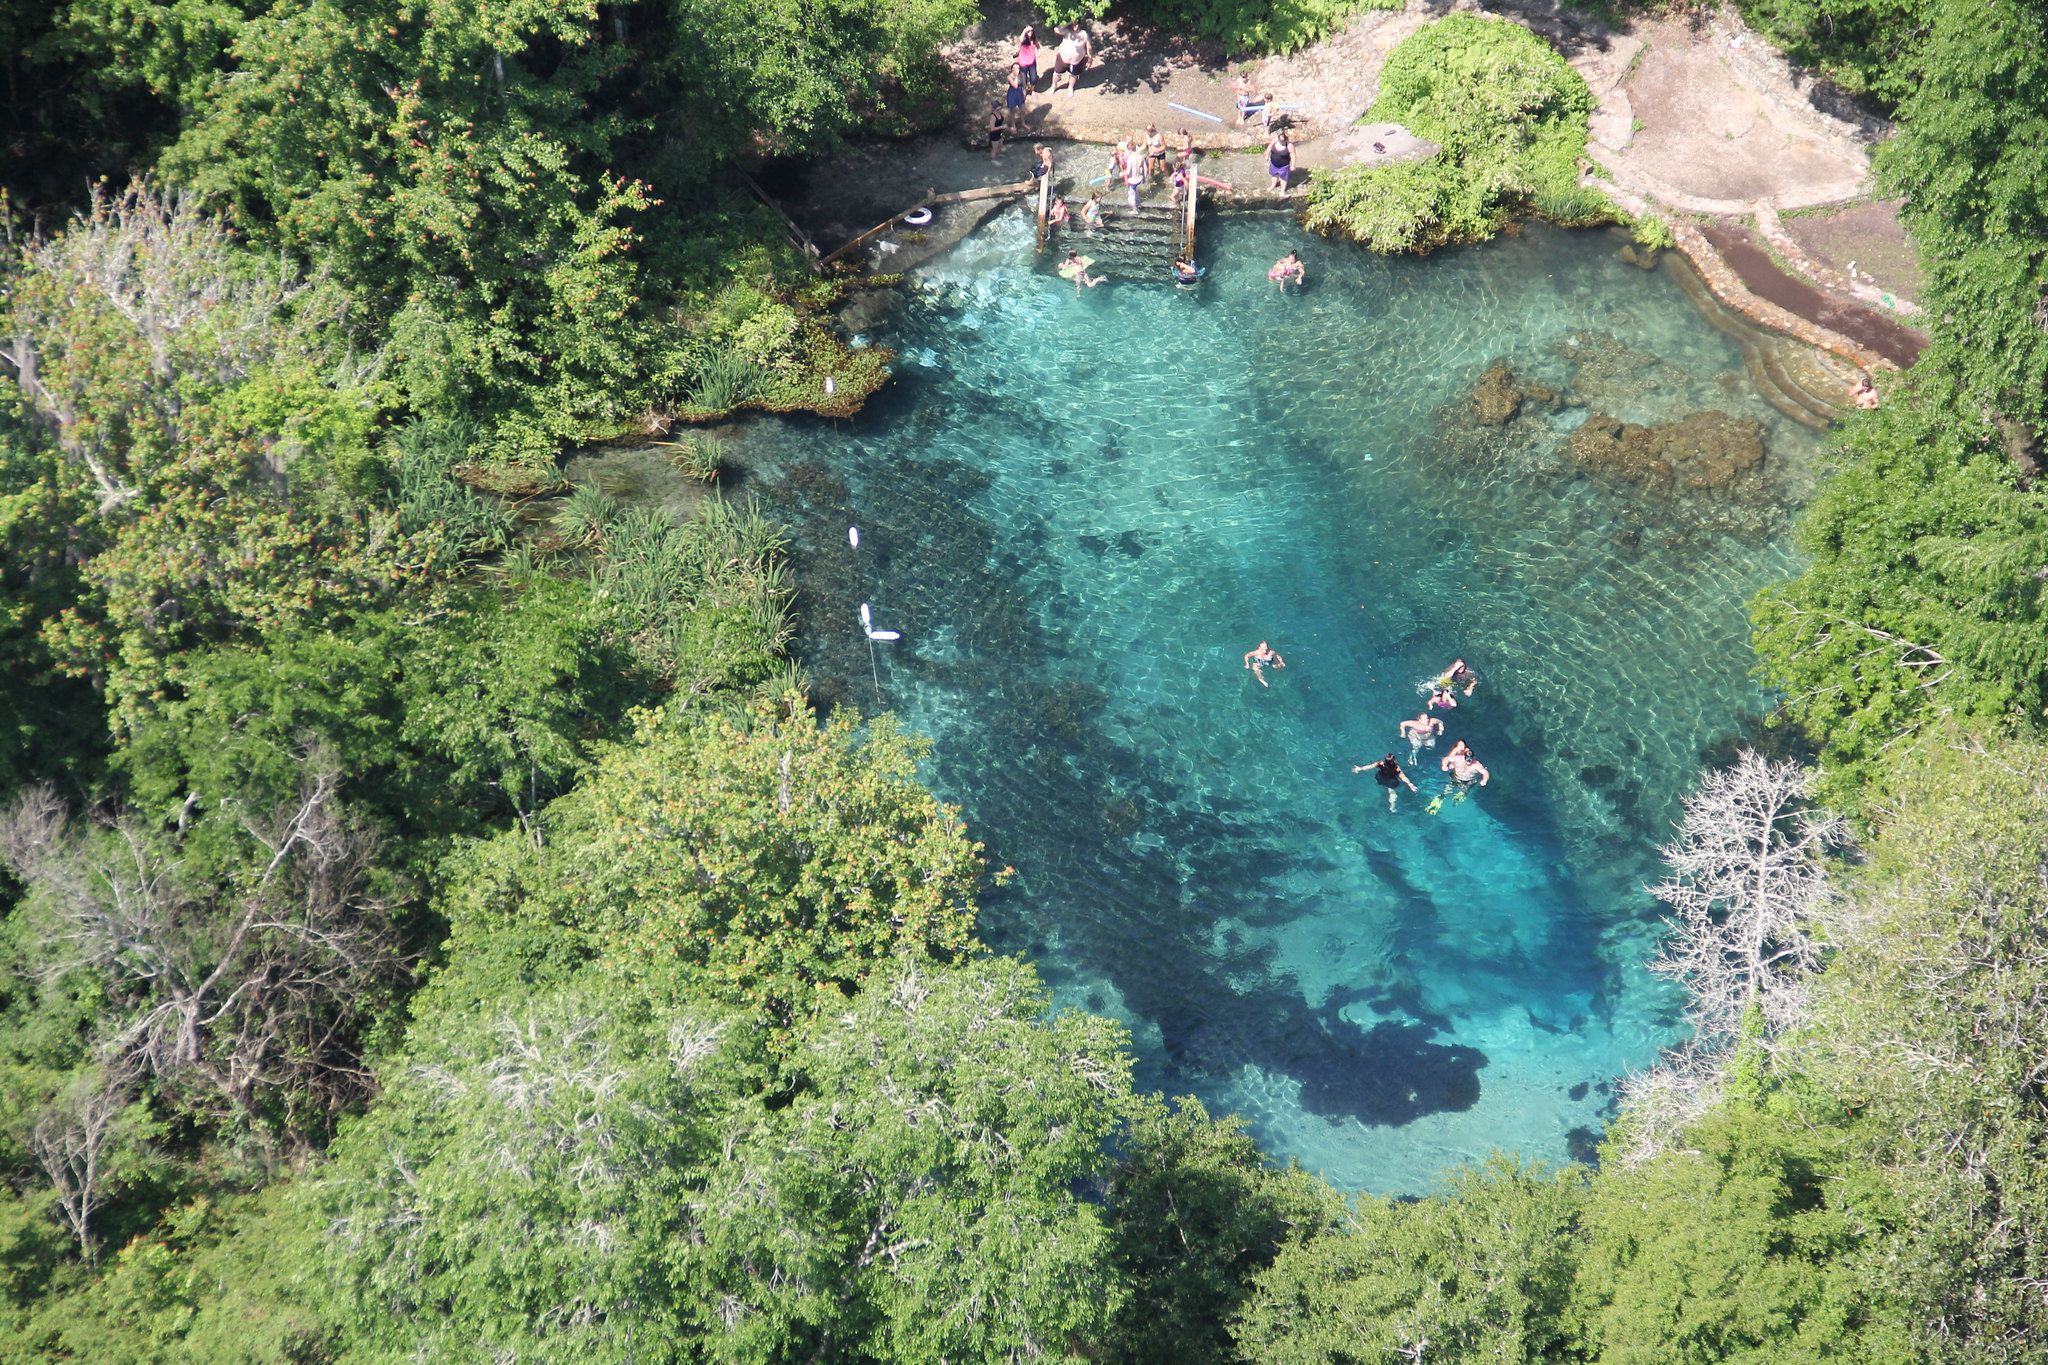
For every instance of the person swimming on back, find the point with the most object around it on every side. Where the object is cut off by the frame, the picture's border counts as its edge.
(1387, 772)
(1459, 672)
(1075, 268)
(1257, 660)
(1421, 733)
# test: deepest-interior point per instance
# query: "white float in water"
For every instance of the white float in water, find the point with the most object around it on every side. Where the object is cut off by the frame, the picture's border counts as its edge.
(853, 536)
(885, 635)
(867, 617)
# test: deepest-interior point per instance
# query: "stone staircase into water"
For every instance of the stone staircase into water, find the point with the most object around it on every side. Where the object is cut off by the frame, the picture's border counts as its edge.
(1136, 247)
(1806, 384)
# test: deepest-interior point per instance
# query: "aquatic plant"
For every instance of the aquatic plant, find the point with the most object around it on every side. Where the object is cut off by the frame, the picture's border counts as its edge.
(708, 595)
(1652, 231)
(584, 514)
(726, 380)
(697, 457)
(430, 495)
(1573, 206)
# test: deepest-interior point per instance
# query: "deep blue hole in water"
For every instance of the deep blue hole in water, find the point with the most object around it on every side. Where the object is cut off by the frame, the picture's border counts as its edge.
(1081, 512)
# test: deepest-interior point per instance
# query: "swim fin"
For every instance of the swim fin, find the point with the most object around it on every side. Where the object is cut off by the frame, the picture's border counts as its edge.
(1436, 803)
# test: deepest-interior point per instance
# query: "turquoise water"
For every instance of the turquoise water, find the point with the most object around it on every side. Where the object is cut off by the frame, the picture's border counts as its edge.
(1080, 513)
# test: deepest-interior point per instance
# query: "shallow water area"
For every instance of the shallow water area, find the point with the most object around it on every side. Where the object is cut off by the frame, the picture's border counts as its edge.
(1080, 512)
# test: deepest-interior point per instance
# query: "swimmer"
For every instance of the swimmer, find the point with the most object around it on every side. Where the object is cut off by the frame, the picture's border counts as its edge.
(1258, 659)
(1075, 268)
(1421, 733)
(1387, 772)
(1442, 697)
(1185, 272)
(1288, 267)
(1459, 672)
(1091, 212)
(1057, 214)
(1466, 772)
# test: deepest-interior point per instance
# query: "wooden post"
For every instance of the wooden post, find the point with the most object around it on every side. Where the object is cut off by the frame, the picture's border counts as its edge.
(1194, 189)
(1044, 205)
(798, 238)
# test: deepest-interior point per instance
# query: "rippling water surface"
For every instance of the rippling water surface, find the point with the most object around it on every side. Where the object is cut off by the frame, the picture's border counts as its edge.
(1080, 513)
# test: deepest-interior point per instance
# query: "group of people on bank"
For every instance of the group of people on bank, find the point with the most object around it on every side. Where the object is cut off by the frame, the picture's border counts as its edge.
(1461, 767)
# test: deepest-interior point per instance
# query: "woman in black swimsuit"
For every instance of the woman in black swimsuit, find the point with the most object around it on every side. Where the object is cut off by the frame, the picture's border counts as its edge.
(1387, 772)
(1280, 161)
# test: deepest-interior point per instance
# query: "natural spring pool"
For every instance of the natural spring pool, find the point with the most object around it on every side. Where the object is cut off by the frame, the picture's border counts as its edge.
(1080, 513)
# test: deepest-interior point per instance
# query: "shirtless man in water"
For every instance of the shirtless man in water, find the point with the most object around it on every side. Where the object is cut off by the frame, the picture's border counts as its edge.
(1465, 770)
(1421, 733)
(1257, 660)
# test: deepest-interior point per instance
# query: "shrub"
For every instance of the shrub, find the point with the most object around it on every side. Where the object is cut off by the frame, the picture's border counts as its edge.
(1511, 117)
(1242, 25)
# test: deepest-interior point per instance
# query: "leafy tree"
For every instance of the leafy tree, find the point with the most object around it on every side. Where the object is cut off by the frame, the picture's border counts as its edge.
(1932, 1024)
(1750, 1243)
(1867, 46)
(770, 865)
(1510, 114)
(523, 1191)
(505, 702)
(1923, 602)
(1481, 1272)
(1972, 162)
(917, 1201)
(1197, 1211)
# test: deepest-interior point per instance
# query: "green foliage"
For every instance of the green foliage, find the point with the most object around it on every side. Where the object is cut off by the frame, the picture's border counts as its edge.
(1749, 1245)
(1972, 164)
(1867, 46)
(769, 865)
(1196, 1212)
(699, 457)
(504, 704)
(703, 600)
(1251, 26)
(1511, 117)
(1921, 604)
(522, 1191)
(430, 498)
(1652, 231)
(1929, 1025)
(1481, 1272)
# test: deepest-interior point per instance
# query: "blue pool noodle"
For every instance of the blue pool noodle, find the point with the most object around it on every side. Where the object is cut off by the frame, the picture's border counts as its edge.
(1196, 112)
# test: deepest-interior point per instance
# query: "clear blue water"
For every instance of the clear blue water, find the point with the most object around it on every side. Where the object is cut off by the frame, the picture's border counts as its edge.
(1080, 513)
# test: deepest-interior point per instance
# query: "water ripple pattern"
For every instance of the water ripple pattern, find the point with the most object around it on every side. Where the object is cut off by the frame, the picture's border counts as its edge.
(1082, 511)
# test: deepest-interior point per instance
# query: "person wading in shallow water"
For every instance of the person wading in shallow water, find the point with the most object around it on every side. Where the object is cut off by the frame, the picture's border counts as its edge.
(1387, 772)
(1258, 660)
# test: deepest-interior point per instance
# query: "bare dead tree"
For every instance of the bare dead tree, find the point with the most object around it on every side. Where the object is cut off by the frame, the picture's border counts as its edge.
(251, 985)
(70, 1140)
(108, 319)
(1749, 891)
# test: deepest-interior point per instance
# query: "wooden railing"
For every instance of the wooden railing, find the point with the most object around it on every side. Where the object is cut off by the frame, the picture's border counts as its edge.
(931, 201)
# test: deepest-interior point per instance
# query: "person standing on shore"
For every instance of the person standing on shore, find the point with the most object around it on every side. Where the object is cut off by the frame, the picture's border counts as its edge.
(1027, 57)
(1068, 60)
(1280, 161)
(998, 129)
(1015, 99)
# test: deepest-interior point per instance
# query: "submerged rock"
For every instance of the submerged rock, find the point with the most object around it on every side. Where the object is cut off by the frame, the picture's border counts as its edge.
(1498, 398)
(1701, 451)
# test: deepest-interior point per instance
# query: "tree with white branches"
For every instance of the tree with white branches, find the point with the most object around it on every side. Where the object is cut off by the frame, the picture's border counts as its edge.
(1748, 892)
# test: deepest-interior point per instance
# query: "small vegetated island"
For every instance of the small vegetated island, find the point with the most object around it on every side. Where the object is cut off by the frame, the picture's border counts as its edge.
(437, 928)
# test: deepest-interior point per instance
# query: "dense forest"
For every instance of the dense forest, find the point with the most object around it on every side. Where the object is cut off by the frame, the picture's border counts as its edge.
(426, 940)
